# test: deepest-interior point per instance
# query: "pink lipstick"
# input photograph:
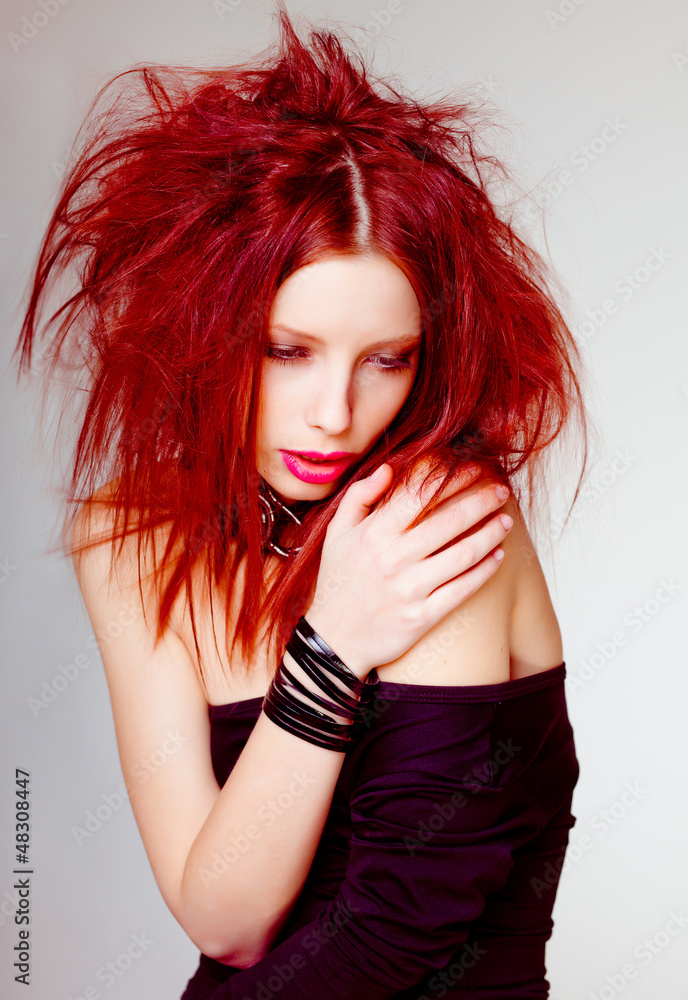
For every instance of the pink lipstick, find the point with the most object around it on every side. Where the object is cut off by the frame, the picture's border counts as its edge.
(306, 467)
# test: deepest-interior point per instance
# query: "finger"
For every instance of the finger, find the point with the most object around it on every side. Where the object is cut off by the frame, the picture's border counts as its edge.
(406, 504)
(460, 557)
(451, 595)
(358, 499)
(452, 519)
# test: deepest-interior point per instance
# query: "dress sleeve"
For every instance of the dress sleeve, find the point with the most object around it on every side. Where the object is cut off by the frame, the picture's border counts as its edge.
(427, 846)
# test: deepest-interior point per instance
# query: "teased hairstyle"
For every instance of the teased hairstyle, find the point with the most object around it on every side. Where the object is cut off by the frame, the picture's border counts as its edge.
(195, 193)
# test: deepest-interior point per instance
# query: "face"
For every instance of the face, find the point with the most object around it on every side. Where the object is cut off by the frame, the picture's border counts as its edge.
(344, 341)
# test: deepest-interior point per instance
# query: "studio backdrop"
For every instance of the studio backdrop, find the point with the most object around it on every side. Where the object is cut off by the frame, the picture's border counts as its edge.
(590, 104)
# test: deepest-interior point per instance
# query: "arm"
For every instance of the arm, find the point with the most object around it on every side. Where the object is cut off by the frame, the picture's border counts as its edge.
(184, 818)
(186, 822)
(413, 882)
(408, 897)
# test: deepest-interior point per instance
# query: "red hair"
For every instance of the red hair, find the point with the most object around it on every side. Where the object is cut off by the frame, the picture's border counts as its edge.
(195, 193)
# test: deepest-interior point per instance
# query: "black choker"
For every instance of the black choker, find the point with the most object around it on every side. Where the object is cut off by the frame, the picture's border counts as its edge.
(273, 517)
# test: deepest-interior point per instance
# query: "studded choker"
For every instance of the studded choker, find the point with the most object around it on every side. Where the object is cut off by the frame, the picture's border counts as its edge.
(274, 514)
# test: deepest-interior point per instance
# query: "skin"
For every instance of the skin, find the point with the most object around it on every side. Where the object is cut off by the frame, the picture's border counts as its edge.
(334, 397)
(341, 393)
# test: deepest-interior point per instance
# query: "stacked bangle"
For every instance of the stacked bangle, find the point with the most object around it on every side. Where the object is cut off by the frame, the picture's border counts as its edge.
(319, 662)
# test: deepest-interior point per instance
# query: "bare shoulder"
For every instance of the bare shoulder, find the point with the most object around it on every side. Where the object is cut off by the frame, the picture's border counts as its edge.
(158, 707)
(124, 586)
(133, 569)
(91, 539)
(535, 640)
(507, 628)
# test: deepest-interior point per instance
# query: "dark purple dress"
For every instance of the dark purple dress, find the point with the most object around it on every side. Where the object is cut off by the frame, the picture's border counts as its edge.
(439, 863)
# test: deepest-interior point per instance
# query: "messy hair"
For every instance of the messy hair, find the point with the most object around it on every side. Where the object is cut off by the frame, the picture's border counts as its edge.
(195, 193)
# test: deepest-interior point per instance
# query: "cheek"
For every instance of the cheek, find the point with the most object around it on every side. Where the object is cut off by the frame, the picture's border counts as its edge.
(265, 417)
(277, 397)
(384, 401)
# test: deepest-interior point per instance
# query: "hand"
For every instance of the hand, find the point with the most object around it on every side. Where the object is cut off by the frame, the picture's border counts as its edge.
(382, 584)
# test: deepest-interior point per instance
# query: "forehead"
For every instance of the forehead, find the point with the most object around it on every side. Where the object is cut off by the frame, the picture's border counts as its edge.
(366, 296)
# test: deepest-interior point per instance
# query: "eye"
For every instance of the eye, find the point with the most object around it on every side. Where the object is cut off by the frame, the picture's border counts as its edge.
(282, 354)
(395, 364)
(384, 362)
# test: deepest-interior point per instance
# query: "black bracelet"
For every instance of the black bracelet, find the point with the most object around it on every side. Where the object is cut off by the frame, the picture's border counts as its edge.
(293, 715)
(317, 672)
(289, 714)
(325, 655)
(321, 664)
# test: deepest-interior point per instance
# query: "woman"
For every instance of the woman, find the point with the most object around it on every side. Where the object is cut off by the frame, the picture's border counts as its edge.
(368, 796)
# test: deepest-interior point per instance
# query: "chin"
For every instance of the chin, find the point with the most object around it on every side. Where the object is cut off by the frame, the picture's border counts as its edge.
(303, 491)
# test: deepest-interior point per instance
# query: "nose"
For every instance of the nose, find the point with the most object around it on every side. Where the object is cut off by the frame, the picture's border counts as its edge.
(331, 402)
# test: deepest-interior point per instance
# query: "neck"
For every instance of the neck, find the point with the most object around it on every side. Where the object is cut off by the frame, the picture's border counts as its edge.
(287, 515)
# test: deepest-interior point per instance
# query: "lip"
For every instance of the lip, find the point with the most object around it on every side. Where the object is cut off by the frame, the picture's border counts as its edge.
(310, 472)
(329, 456)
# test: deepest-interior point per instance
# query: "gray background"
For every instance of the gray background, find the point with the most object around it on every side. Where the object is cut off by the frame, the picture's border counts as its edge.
(556, 71)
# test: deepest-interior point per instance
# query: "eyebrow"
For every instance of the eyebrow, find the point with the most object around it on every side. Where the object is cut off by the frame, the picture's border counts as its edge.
(405, 341)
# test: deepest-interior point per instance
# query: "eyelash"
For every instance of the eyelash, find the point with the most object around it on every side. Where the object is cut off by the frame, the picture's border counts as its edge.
(401, 363)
